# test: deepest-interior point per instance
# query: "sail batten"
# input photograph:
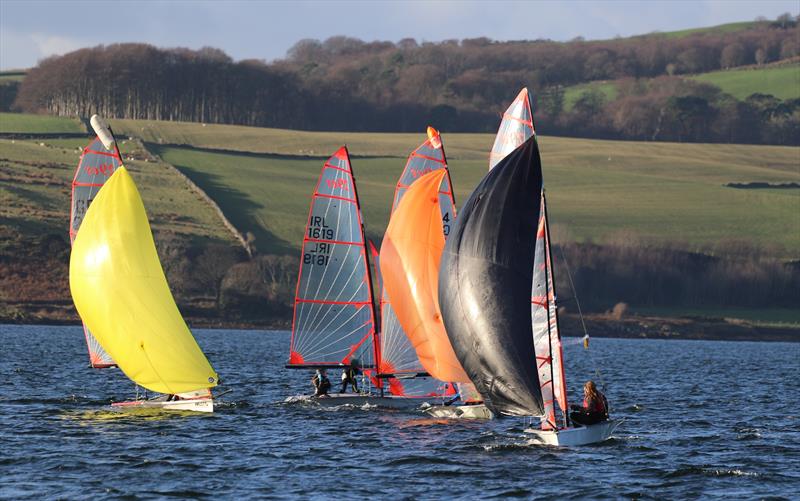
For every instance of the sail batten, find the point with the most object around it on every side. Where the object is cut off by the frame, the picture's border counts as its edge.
(114, 256)
(95, 167)
(334, 321)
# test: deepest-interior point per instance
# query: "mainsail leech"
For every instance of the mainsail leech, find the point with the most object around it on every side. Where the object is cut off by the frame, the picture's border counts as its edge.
(334, 321)
(114, 257)
(96, 165)
(485, 279)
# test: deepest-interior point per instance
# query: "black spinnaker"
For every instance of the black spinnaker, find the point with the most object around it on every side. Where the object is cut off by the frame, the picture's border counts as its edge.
(485, 279)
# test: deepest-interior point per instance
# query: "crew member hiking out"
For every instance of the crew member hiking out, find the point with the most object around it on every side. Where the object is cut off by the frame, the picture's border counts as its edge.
(594, 409)
(321, 383)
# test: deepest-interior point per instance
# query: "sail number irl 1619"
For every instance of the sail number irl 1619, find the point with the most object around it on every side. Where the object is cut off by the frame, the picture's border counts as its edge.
(318, 252)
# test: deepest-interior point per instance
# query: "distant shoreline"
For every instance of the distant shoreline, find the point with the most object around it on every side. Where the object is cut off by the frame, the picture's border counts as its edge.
(598, 325)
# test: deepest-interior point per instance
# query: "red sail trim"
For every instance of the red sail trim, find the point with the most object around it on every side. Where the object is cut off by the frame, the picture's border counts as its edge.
(329, 166)
(529, 123)
(342, 155)
(336, 198)
(340, 242)
(426, 157)
(320, 301)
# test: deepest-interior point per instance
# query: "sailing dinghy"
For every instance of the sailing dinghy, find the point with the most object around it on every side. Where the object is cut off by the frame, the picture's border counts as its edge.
(121, 293)
(95, 166)
(334, 311)
(399, 362)
(498, 301)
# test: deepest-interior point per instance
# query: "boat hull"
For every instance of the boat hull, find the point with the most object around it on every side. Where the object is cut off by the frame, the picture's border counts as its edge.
(460, 412)
(337, 399)
(195, 405)
(581, 435)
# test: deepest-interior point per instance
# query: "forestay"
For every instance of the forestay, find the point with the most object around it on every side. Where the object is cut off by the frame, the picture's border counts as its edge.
(397, 354)
(96, 165)
(515, 128)
(334, 320)
(114, 256)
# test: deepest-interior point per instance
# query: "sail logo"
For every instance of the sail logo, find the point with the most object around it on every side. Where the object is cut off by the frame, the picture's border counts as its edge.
(104, 169)
(340, 184)
(415, 173)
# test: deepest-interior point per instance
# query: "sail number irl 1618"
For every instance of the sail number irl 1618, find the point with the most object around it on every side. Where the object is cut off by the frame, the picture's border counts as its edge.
(318, 252)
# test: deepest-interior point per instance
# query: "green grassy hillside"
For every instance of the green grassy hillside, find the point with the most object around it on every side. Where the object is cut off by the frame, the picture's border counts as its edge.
(600, 190)
(38, 124)
(35, 180)
(782, 82)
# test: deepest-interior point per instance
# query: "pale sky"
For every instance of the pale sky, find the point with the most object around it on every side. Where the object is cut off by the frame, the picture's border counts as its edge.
(251, 29)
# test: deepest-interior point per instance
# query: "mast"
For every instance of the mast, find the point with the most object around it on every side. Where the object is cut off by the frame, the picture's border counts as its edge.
(549, 320)
(562, 371)
(375, 338)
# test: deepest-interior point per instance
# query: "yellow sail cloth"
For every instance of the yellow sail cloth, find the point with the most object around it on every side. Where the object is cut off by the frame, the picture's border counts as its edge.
(410, 254)
(121, 293)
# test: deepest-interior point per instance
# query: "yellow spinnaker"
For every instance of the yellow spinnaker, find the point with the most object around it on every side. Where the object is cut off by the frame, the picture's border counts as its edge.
(121, 293)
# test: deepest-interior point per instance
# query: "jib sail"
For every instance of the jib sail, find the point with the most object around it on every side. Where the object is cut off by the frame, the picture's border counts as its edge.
(334, 320)
(96, 165)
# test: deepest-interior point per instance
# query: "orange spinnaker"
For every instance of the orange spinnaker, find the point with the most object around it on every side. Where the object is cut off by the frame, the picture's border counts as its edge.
(410, 255)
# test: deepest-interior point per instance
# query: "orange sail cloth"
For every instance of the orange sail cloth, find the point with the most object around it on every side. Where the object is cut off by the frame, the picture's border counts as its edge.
(409, 262)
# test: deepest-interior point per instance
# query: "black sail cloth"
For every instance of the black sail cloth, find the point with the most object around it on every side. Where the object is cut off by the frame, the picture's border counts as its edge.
(485, 278)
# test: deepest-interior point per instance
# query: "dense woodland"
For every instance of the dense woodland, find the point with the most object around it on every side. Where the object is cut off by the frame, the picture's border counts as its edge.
(347, 84)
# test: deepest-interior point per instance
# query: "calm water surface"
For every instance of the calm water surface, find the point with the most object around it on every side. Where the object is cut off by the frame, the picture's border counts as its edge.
(703, 419)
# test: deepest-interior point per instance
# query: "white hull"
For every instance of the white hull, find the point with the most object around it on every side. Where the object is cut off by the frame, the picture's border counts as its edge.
(581, 435)
(196, 405)
(337, 399)
(460, 411)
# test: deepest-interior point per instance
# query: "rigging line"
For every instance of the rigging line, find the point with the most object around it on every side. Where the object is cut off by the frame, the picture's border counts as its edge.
(597, 371)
